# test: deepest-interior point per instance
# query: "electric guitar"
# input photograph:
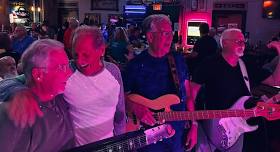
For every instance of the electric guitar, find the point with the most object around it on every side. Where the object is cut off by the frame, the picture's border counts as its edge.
(230, 127)
(129, 141)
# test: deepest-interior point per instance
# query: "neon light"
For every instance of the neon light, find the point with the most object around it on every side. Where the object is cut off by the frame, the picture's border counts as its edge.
(267, 3)
(134, 12)
(135, 7)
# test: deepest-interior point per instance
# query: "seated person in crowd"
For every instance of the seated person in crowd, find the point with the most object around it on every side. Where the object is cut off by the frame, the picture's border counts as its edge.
(6, 47)
(8, 67)
(20, 40)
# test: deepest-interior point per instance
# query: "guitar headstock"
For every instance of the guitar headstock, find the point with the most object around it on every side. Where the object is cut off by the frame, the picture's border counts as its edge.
(268, 110)
(158, 133)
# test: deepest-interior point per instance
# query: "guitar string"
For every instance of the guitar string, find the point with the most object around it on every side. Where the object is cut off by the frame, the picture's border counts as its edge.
(124, 145)
(202, 115)
(141, 139)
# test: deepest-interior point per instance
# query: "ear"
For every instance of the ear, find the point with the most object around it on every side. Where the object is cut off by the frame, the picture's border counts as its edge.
(102, 50)
(223, 43)
(149, 37)
(37, 74)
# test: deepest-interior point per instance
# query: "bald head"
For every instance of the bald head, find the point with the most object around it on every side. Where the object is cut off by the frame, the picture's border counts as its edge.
(8, 67)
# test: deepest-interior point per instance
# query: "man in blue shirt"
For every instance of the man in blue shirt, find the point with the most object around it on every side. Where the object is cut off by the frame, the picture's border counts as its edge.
(149, 75)
(21, 40)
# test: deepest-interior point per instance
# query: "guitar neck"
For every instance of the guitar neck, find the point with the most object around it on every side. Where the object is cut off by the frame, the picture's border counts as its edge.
(125, 142)
(205, 114)
(125, 145)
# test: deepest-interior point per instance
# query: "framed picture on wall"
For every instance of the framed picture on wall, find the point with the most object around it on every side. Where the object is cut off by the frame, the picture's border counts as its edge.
(202, 5)
(112, 5)
(92, 19)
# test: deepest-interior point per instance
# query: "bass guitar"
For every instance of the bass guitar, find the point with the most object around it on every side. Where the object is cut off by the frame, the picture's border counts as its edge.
(231, 125)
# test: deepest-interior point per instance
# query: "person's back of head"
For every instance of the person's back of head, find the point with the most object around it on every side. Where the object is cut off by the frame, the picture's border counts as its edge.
(73, 23)
(121, 34)
(204, 28)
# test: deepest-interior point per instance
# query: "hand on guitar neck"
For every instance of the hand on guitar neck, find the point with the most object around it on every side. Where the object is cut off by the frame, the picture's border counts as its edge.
(142, 113)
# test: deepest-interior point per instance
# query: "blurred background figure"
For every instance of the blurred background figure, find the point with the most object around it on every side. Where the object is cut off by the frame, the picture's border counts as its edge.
(73, 24)
(119, 49)
(20, 39)
(8, 67)
(6, 47)
(34, 31)
(47, 31)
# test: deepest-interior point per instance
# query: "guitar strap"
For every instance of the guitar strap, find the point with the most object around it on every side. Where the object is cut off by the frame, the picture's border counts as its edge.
(174, 73)
(245, 74)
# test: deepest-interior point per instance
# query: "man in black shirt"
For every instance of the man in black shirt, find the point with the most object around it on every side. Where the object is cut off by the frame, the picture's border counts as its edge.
(205, 46)
(223, 80)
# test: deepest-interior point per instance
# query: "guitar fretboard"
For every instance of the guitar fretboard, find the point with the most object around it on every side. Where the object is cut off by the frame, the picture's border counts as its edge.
(205, 114)
(125, 145)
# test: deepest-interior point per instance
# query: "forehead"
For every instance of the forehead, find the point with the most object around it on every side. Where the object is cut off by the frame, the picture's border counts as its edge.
(234, 35)
(161, 25)
(83, 41)
(57, 57)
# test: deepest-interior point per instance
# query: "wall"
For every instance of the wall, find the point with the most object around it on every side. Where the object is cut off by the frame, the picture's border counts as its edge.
(4, 18)
(259, 28)
(84, 7)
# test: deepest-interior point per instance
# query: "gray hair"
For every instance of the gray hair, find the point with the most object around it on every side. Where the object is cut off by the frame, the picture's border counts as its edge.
(37, 55)
(153, 21)
(225, 33)
(92, 31)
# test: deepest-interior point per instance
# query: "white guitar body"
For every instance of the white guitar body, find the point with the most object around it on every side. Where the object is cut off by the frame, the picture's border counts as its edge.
(224, 132)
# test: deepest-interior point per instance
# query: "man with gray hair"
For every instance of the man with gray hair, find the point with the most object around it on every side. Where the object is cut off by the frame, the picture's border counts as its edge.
(20, 40)
(225, 81)
(46, 68)
(149, 75)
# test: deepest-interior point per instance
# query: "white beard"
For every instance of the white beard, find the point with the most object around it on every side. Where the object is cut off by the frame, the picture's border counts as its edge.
(239, 53)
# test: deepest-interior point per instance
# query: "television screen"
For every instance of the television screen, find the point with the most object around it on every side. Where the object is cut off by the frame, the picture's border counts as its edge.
(271, 9)
(193, 31)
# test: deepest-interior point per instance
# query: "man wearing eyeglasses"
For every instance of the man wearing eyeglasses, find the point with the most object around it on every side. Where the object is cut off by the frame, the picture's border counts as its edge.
(224, 83)
(149, 75)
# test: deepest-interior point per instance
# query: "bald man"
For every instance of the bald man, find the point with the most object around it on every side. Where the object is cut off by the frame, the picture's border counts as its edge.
(224, 84)
(8, 67)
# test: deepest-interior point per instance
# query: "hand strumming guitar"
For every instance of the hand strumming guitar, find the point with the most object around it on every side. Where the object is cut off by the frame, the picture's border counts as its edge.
(142, 113)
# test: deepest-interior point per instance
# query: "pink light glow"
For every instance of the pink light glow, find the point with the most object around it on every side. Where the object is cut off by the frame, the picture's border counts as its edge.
(193, 16)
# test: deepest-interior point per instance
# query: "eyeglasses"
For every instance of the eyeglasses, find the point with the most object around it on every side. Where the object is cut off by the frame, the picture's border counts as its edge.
(238, 42)
(164, 33)
(59, 68)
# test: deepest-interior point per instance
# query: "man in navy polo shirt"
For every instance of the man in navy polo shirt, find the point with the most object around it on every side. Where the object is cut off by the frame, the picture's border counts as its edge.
(149, 75)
